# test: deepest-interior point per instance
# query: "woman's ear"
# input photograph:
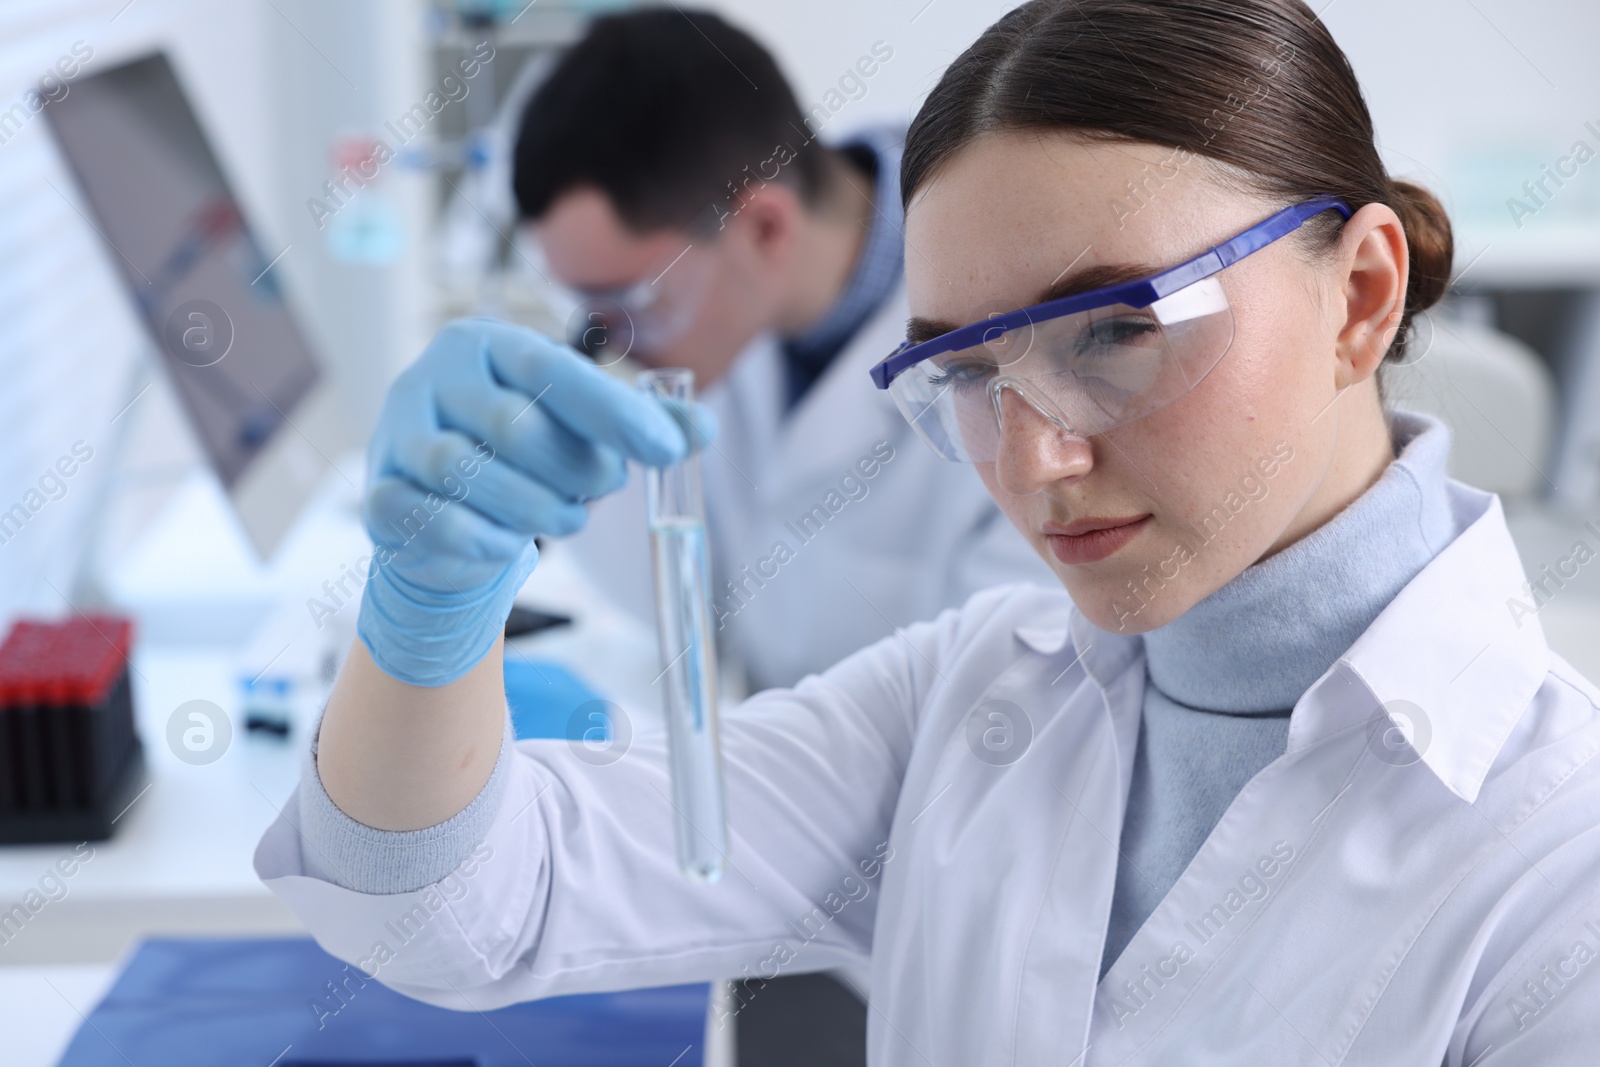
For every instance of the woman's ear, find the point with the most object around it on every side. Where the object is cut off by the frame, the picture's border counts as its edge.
(1371, 282)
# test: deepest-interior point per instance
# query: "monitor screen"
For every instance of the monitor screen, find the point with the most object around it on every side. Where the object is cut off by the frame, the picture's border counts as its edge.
(206, 289)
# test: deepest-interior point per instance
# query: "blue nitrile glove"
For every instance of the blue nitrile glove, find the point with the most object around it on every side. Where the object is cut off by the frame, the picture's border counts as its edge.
(496, 434)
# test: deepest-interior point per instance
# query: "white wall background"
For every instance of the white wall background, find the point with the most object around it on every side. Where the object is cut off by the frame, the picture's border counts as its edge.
(1468, 96)
(818, 42)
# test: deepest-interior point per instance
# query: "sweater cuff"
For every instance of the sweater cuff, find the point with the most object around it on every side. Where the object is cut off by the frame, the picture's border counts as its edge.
(336, 848)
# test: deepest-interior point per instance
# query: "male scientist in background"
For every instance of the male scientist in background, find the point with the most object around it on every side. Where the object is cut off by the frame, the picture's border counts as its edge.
(671, 179)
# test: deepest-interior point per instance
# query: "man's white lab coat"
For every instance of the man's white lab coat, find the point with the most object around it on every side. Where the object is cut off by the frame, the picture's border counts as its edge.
(948, 802)
(829, 526)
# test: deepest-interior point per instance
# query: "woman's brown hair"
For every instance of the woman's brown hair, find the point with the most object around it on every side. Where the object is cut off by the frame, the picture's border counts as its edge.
(1258, 85)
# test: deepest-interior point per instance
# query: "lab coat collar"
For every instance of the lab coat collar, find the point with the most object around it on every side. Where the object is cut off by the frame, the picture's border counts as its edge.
(1104, 655)
(1446, 661)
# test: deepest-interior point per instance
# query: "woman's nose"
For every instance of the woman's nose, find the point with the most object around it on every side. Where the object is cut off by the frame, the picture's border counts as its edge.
(1035, 450)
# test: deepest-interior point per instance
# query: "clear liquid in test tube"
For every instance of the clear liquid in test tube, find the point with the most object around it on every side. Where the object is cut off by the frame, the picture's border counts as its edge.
(688, 653)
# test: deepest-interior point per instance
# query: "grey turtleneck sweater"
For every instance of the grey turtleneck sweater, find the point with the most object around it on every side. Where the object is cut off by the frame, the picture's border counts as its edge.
(1222, 679)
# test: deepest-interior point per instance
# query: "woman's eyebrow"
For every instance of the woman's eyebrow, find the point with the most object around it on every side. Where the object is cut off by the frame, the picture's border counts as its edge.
(1099, 276)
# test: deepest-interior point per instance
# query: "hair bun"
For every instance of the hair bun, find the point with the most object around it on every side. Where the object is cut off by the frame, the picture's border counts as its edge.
(1432, 245)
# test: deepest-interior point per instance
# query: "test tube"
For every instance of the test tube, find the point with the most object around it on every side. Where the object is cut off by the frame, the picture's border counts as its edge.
(688, 654)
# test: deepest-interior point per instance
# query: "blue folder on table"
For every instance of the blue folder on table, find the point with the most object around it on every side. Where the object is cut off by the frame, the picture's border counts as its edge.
(192, 1002)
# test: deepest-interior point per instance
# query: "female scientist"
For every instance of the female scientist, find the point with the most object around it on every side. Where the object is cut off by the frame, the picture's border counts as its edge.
(1277, 778)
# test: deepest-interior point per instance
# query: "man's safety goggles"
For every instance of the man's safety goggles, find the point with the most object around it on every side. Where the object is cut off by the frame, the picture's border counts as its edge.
(641, 319)
(1088, 362)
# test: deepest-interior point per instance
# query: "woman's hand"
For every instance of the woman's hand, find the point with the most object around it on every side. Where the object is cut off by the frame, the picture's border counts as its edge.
(495, 435)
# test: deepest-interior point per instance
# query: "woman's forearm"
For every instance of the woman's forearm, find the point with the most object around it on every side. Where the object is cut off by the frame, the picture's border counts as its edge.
(402, 757)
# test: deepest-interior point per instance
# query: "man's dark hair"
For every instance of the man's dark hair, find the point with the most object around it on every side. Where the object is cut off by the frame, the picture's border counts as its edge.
(663, 110)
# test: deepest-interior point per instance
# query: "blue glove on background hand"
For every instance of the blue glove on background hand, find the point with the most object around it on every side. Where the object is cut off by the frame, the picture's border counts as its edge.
(495, 435)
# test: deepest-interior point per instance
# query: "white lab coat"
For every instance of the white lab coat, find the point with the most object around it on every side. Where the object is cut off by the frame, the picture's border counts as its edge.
(1350, 907)
(919, 535)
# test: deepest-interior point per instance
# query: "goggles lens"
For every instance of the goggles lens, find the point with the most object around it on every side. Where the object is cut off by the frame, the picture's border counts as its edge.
(1087, 372)
(640, 319)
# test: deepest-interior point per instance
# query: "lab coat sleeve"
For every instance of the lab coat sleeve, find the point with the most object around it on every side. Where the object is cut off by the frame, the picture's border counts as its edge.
(1563, 1036)
(575, 887)
(335, 848)
(1552, 1017)
(1541, 1000)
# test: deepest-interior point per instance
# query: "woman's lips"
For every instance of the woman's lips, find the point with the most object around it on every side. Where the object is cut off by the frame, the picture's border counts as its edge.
(1092, 540)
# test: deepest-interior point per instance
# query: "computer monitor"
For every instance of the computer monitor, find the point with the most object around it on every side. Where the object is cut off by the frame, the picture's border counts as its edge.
(208, 292)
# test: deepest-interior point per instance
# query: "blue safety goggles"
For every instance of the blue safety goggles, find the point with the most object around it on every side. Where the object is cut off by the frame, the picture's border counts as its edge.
(1088, 362)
